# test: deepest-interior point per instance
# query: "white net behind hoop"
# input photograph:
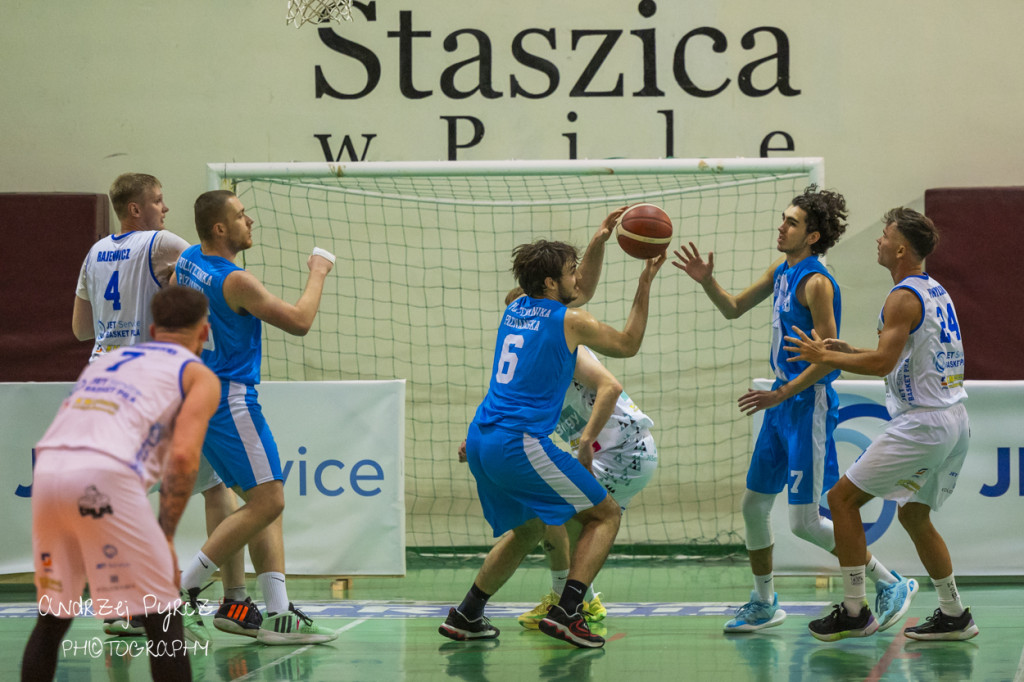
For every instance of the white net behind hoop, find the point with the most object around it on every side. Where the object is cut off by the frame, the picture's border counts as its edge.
(318, 11)
(418, 290)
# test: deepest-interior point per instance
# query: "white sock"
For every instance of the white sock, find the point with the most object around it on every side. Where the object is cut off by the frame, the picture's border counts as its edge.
(877, 572)
(589, 596)
(235, 593)
(764, 585)
(853, 589)
(558, 579)
(198, 572)
(275, 594)
(949, 596)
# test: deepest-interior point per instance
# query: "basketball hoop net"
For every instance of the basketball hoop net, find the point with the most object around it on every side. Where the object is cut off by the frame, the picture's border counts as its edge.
(318, 11)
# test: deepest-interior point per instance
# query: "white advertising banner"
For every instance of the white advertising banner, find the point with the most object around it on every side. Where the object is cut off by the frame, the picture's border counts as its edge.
(978, 522)
(342, 456)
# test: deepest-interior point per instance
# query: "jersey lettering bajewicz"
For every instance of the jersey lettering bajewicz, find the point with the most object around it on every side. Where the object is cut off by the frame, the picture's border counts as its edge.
(123, 406)
(930, 369)
(119, 277)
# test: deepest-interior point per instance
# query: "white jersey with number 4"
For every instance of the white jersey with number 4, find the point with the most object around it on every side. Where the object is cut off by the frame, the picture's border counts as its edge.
(930, 370)
(119, 277)
(123, 406)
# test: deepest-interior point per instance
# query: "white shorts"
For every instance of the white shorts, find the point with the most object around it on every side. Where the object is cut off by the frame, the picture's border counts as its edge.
(917, 459)
(91, 521)
(206, 478)
(624, 471)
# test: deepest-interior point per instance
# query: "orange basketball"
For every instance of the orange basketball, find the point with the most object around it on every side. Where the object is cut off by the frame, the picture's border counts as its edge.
(644, 231)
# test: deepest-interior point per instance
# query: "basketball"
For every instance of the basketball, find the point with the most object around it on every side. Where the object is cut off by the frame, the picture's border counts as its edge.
(644, 231)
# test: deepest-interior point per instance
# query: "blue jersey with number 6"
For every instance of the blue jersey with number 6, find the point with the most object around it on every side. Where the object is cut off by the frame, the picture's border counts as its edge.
(532, 368)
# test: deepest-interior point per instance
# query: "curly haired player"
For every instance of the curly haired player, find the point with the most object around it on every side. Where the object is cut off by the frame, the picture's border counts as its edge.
(795, 445)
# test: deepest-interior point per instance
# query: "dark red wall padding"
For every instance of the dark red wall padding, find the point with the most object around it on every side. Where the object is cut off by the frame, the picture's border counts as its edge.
(980, 262)
(43, 240)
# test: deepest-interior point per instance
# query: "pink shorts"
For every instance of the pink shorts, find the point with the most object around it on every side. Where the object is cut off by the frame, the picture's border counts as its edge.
(91, 521)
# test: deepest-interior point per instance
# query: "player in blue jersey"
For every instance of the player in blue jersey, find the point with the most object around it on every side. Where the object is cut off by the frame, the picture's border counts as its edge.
(917, 460)
(795, 445)
(239, 444)
(524, 481)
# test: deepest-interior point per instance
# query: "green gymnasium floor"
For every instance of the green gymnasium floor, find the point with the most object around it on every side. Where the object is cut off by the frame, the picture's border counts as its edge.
(664, 623)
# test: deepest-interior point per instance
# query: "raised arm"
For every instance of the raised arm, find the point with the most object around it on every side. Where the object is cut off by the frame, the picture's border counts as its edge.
(589, 270)
(902, 313)
(592, 374)
(582, 328)
(243, 291)
(690, 261)
(817, 294)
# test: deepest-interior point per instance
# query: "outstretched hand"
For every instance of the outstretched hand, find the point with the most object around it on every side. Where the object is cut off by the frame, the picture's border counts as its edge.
(653, 265)
(752, 401)
(690, 262)
(608, 224)
(807, 348)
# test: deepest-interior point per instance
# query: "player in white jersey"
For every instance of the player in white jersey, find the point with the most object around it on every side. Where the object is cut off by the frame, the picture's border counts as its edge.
(136, 416)
(917, 460)
(625, 458)
(122, 272)
(118, 279)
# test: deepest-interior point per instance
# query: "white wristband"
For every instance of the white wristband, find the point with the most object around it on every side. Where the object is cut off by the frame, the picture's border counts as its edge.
(317, 251)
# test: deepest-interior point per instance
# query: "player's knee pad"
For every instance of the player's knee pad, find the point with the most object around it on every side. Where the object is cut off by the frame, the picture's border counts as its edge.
(808, 524)
(757, 517)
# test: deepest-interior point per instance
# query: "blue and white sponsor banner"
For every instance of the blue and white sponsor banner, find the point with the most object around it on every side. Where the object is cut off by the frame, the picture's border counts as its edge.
(979, 521)
(342, 455)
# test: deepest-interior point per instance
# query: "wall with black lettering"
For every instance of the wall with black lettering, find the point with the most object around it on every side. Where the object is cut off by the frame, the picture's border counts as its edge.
(897, 97)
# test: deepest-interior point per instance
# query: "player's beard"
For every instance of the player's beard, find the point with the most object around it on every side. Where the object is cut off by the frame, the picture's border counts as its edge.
(567, 297)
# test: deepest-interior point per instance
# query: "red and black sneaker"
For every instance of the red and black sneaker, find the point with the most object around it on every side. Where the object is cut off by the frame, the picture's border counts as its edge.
(238, 617)
(570, 628)
(456, 626)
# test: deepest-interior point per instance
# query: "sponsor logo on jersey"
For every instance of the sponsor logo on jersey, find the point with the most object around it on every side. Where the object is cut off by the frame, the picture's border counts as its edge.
(95, 504)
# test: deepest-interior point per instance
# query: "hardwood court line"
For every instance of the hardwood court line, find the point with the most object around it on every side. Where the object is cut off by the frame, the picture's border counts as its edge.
(298, 651)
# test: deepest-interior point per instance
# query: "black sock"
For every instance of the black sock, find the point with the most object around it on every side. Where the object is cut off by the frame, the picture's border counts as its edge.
(472, 607)
(40, 659)
(572, 596)
(168, 655)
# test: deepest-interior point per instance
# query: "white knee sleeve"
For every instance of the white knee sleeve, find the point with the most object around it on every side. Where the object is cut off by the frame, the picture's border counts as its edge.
(757, 516)
(808, 524)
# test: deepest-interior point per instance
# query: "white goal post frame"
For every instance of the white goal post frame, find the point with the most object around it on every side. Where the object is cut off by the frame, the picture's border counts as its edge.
(219, 173)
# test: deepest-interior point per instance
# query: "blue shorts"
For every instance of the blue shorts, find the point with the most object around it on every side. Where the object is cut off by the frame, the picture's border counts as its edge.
(520, 477)
(239, 445)
(796, 446)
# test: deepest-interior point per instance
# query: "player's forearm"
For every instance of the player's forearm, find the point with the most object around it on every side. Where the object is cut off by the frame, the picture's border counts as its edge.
(176, 489)
(589, 269)
(723, 300)
(636, 323)
(308, 305)
(870, 363)
(604, 405)
(804, 380)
